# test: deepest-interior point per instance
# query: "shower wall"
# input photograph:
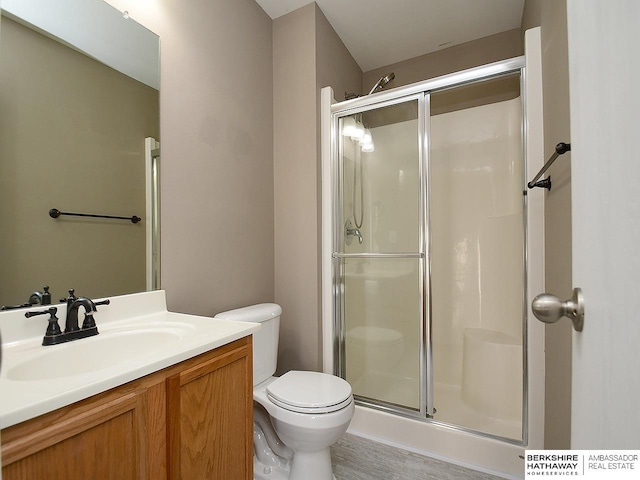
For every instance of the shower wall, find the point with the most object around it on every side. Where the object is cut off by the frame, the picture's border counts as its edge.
(476, 224)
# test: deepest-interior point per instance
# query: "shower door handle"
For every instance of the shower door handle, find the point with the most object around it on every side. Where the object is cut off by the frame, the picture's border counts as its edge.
(549, 309)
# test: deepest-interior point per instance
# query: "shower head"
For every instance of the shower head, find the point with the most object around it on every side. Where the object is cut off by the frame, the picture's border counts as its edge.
(380, 84)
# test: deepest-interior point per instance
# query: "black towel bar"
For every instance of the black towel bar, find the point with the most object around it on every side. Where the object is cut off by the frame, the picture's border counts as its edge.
(55, 213)
(561, 149)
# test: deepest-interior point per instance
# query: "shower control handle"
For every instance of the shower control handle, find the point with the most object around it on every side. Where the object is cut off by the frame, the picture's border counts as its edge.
(549, 309)
(350, 231)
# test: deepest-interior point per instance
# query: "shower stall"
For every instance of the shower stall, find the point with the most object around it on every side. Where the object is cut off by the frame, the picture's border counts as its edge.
(429, 232)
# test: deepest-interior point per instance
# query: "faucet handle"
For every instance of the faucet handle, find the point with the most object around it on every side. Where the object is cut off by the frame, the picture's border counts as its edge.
(71, 298)
(46, 295)
(13, 307)
(54, 327)
(51, 310)
(89, 321)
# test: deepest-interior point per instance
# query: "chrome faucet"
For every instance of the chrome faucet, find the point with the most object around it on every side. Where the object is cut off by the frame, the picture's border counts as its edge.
(352, 231)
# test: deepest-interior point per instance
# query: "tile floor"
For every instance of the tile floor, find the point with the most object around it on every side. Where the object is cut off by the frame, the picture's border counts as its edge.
(357, 458)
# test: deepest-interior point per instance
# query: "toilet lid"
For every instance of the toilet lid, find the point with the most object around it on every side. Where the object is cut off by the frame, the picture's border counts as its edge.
(310, 392)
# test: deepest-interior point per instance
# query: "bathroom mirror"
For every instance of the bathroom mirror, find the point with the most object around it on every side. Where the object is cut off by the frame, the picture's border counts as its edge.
(79, 132)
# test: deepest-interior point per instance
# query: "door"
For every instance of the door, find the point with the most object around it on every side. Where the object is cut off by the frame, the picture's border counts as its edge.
(477, 256)
(104, 437)
(380, 254)
(603, 70)
(210, 417)
(152, 200)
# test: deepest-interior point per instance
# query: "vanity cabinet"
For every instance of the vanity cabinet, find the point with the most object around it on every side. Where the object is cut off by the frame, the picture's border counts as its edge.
(193, 420)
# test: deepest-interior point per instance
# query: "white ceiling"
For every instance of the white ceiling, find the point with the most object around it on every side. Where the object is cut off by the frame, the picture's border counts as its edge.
(379, 32)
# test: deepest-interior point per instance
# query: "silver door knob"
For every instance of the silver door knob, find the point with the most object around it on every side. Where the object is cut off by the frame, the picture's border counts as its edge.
(549, 309)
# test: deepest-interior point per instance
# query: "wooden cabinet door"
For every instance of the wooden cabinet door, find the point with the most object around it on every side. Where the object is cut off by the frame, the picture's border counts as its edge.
(102, 439)
(210, 417)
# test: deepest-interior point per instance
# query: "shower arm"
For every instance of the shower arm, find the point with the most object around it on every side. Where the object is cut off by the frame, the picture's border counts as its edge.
(375, 87)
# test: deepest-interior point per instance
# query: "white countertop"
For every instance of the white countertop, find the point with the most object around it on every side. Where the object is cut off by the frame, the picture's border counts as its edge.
(173, 338)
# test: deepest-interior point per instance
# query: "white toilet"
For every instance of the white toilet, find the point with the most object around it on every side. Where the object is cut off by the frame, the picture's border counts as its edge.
(297, 416)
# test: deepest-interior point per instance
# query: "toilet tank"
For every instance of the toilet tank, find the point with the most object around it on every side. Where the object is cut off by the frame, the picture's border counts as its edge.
(265, 340)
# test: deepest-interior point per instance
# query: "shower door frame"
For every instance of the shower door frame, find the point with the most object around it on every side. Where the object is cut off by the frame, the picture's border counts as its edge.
(419, 91)
(425, 361)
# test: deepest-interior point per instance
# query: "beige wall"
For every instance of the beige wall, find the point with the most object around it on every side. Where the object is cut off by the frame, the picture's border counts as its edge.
(72, 136)
(307, 55)
(466, 55)
(552, 17)
(295, 186)
(531, 17)
(335, 66)
(216, 109)
(228, 102)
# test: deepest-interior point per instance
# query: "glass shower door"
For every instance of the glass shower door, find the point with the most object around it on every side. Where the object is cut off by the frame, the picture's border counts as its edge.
(428, 274)
(379, 254)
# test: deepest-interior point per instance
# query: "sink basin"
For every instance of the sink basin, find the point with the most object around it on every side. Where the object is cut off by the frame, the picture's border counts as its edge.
(92, 354)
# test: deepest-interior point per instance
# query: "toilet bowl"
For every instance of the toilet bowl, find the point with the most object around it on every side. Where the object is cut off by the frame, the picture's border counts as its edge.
(297, 416)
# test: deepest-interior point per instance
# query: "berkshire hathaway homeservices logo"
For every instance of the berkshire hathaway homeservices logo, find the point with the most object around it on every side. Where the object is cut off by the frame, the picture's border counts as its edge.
(586, 464)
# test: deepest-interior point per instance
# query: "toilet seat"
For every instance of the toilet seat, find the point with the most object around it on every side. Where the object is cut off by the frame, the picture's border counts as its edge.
(309, 392)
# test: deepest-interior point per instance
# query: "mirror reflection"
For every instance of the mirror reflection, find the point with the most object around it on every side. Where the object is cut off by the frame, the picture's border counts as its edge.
(72, 137)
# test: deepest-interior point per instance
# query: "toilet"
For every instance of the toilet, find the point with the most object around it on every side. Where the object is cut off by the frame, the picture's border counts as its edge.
(297, 416)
